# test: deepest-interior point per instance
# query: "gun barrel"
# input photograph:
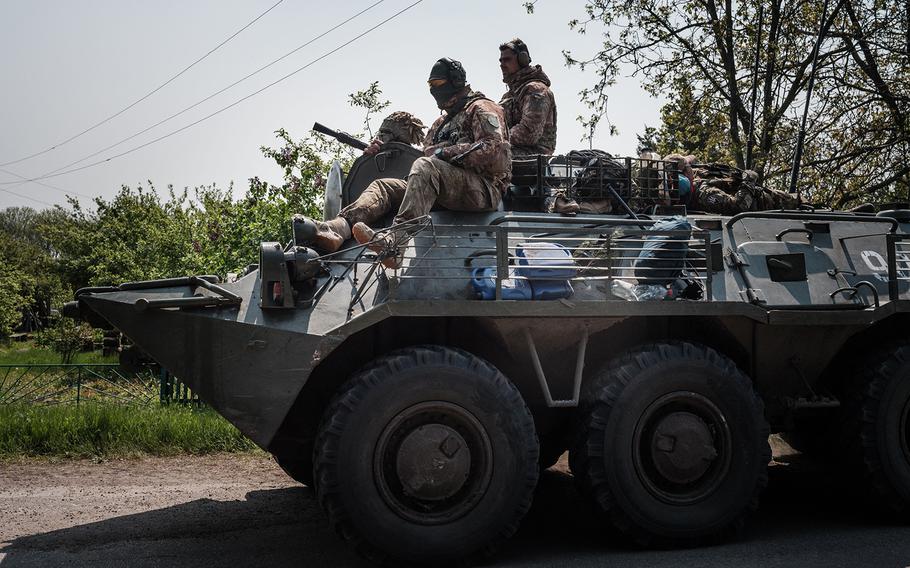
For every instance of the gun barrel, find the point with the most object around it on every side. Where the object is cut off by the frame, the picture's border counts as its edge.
(342, 137)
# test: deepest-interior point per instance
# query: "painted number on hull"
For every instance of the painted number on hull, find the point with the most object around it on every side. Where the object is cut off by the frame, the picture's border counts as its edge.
(877, 263)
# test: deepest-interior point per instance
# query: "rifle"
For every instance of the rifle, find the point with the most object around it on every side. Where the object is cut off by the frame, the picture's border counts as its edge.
(459, 159)
(342, 137)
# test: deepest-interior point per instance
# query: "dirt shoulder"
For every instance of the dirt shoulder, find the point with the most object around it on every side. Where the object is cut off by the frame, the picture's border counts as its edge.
(175, 511)
(241, 510)
(38, 496)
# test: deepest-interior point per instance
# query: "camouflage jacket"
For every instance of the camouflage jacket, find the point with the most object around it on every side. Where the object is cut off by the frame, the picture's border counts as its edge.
(480, 120)
(530, 112)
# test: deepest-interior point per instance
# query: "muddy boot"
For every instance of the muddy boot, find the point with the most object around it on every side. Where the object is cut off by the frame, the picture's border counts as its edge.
(565, 205)
(367, 236)
(331, 234)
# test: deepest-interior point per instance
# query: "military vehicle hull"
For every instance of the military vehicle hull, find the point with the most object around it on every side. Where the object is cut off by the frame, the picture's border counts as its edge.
(421, 413)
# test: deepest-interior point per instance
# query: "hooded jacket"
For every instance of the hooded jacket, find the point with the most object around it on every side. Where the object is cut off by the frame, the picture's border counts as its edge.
(530, 110)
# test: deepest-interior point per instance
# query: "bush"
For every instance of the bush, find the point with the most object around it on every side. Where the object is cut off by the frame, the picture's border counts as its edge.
(66, 337)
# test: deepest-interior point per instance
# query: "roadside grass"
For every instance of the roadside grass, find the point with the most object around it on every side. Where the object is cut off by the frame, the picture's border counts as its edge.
(27, 353)
(109, 430)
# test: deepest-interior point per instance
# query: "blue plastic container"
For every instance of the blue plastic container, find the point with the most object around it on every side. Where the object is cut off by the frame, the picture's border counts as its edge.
(545, 260)
(551, 289)
(483, 280)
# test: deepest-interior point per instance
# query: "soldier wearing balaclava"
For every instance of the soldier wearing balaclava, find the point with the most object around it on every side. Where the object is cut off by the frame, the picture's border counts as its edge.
(466, 167)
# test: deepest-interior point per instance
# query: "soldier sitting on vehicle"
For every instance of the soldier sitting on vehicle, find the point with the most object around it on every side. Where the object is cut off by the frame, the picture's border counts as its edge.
(400, 126)
(466, 167)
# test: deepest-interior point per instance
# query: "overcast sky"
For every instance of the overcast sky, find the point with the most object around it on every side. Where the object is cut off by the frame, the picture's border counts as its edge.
(67, 65)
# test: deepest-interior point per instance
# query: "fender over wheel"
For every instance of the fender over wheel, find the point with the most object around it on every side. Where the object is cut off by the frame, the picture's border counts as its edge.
(427, 455)
(674, 445)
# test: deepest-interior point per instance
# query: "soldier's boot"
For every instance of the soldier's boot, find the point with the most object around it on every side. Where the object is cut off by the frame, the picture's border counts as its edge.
(565, 205)
(331, 234)
(364, 235)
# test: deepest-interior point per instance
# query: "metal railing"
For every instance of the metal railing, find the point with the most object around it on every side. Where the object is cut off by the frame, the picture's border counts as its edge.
(53, 384)
(438, 261)
(600, 178)
(898, 266)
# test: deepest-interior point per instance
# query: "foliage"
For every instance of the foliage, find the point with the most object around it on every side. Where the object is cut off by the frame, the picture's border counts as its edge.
(30, 353)
(65, 337)
(702, 55)
(370, 99)
(142, 234)
(138, 235)
(30, 284)
(100, 430)
(13, 299)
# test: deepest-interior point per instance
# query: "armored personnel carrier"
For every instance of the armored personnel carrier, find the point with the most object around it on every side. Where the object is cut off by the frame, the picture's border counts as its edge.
(659, 350)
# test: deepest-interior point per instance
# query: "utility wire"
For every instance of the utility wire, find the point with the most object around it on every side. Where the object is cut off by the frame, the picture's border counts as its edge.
(235, 103)
(213, 95)
(47, 185)
(147, 95)
(11, 192)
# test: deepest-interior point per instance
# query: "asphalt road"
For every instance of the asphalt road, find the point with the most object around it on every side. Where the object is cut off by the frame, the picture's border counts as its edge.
(233, 511)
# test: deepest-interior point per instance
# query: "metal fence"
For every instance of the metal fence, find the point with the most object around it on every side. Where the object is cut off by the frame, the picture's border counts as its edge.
(52, 384)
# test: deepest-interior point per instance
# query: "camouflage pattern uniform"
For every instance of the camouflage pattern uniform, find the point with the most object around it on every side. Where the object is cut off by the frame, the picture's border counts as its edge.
(530, 110)
(475, 185)
(727, 191)
(402, 127)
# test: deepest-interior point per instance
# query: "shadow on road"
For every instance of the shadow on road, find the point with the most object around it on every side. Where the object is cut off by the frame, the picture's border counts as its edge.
(278, 527)
(807, 518)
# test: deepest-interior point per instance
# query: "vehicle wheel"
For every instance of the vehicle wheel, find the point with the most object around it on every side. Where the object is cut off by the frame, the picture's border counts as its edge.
(428, 455)
(674, 447)
(877, 418)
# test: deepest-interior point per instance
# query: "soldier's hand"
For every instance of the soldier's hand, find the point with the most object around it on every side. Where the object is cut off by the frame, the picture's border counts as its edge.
(373, 148)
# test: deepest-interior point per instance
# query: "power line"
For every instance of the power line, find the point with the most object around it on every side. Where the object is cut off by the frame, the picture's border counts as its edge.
(235, 103)
(47, 185)
(147, 95)
(11, 192)
(213, 95)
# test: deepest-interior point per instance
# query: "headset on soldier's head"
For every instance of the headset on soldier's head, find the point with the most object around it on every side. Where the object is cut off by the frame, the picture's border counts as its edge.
(456, 72)
(521, 51)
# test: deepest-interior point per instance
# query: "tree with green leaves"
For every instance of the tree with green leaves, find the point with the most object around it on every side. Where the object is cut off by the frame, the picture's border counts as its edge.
(736, 76)
(140, 234)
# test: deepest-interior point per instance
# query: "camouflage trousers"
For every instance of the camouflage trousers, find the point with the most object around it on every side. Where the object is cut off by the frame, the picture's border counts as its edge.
(747, 198)
(431, 182)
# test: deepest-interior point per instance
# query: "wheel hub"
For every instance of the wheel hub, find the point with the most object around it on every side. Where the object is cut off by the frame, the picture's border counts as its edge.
(433, 462)
(682, 447)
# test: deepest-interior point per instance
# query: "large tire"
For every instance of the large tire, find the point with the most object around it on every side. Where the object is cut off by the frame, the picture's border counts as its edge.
(674, 447)
(428, 455)
(876, 425)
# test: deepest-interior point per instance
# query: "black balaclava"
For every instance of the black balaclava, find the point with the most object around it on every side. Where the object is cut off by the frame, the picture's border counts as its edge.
(455, 78)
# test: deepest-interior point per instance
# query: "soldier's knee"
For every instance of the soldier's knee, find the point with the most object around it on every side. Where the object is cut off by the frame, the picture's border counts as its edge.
(422, 166)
